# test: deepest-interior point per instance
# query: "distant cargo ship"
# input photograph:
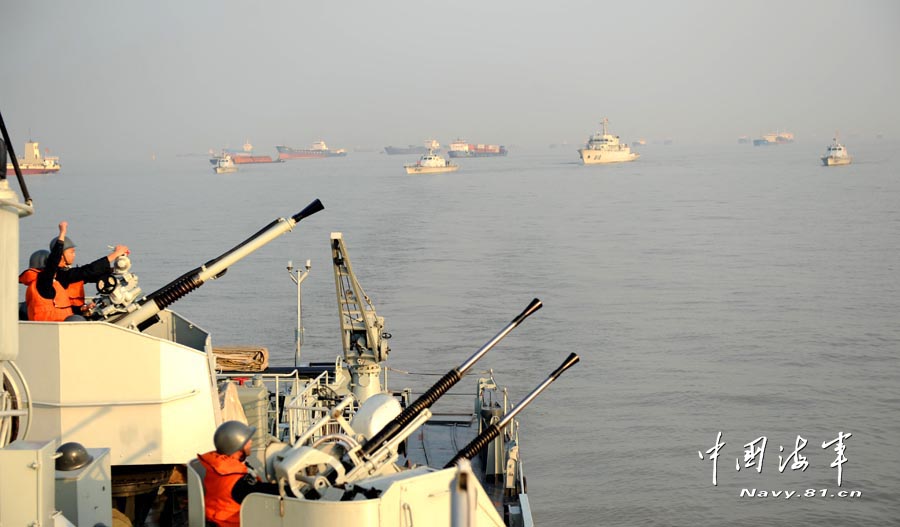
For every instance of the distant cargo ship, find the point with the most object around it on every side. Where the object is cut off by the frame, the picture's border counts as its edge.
(34, 163)
(460, 148)
(405, 150)
(774, 138)
(242, 157)
(430, 145)
(318, 150)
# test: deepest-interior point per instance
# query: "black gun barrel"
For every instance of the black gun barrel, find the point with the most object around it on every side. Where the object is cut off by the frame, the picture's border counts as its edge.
(491, 432)
(442, 386)
(8, 147)
(181, 286)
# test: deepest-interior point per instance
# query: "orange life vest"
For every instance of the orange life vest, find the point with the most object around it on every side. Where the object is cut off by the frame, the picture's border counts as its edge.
(76, 294)
(28, 277)
(56, 309)
(222, 472)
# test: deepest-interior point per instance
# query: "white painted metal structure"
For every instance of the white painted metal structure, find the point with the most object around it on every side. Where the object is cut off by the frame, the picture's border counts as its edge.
(84, 388)
(419, 496)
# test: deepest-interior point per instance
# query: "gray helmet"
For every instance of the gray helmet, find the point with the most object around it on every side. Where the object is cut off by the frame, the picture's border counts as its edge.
(38, 259)
(231, 436)
(67, 243)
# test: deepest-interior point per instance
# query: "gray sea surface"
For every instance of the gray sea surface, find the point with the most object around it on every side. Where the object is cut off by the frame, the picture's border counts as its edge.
(717, 289)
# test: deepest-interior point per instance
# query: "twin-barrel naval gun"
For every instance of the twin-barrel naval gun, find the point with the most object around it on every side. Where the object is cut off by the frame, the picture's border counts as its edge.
(336, 456)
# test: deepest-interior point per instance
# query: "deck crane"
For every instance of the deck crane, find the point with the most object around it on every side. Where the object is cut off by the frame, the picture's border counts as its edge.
(362, 330)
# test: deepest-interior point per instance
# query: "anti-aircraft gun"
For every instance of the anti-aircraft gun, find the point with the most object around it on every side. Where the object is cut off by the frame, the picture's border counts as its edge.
(119, 290)
(335, 464)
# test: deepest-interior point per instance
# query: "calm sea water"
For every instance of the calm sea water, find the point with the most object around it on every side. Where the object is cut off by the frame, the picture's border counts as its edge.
(732, 289)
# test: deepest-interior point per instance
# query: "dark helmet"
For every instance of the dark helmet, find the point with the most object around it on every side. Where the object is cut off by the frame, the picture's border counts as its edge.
(72, 456)
(231, 436)
(38, 259)
(67, 242)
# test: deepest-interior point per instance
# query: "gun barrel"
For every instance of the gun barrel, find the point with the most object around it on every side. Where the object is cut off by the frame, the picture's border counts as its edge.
(491, 432)
(171, 292)
(442, 386)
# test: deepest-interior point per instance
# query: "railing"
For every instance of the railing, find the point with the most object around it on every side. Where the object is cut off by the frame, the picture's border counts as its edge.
(294, 403)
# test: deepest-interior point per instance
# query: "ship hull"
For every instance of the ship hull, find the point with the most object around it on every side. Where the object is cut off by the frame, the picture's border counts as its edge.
(463, 149)
(225, 170)
(599, 157)
(476, 154)
(412, 169)
(247, 160)
(27, 170)
(308, 155)
(830, 161)
(286, 152)
(405, 151)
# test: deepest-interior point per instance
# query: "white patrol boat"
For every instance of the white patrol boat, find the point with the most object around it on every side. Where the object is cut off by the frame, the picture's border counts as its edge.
(836, 154)
(225, 165)
(431, 163)
(603, 147)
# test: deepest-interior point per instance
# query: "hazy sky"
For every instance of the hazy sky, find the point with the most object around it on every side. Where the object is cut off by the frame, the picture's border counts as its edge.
(121, 79)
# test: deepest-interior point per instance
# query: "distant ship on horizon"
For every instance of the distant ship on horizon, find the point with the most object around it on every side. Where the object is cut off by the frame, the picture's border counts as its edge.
(774, 138)
(603, 147)
(318, 150)
(240, 157)
(460, 148)
(33, 162)
(430, 145)
(837, 154)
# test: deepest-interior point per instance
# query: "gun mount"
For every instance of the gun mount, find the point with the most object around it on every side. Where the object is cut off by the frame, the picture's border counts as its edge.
(129, 315)
(116, 291)
(342, 459)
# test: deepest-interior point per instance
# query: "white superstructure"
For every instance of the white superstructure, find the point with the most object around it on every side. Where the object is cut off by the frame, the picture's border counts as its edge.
(225, 165)
(602, 147)
(431, 163)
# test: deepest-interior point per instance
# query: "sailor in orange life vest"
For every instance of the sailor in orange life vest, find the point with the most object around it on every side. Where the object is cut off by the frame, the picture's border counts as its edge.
(29, 276)
(228, 478)
(59, 289)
